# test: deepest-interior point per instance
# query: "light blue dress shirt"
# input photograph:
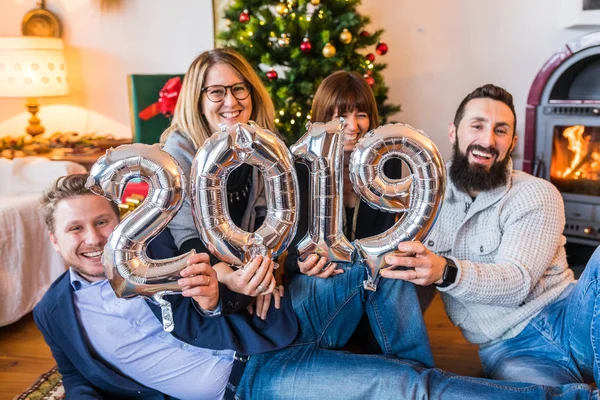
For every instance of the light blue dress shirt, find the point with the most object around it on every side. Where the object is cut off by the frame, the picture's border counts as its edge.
(126, 335)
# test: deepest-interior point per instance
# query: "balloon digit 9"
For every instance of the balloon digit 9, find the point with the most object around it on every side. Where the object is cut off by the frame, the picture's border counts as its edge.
(127, 267)
(219, 155)
(419, 195)
(321, 149)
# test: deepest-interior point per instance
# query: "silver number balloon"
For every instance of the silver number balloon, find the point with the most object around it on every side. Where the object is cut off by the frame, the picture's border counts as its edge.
(321, 149)
(220, 154)
(127, 267)
(419, 196)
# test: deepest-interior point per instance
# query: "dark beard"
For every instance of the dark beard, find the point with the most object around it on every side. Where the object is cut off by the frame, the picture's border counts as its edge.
(475, 178)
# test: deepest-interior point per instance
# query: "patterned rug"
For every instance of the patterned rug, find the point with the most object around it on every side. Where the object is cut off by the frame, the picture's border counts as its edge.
(47, 387)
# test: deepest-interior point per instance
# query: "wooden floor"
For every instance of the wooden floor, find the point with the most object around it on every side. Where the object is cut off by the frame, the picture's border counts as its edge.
(24, 354)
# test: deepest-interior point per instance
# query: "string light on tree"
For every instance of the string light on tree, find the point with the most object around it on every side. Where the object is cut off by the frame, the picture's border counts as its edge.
(305, 46)
(244, 17)
(381, 48)
(284, 40)
(329, 50)
(346, 36)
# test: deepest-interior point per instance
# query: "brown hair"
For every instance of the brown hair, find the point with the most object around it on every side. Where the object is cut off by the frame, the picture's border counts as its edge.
(188, 119)
(65, 187)
(488, 91)
(345, 92)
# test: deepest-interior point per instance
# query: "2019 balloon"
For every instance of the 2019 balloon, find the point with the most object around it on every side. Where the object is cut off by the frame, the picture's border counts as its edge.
(419, 195)
(127, 267)
(220, 154)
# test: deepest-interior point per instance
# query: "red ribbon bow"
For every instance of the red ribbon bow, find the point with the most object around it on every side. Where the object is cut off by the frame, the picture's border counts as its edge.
(167, 99)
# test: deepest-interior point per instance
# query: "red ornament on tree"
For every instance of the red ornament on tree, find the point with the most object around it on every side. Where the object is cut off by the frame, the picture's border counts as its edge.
(305, 46)
(272, 74)
(364, 34)
(381, 48)
(370, 80)
(244, 16)
(370, 57)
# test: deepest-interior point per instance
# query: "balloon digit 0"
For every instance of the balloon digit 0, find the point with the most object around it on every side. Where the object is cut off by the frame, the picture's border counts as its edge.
(219, 155)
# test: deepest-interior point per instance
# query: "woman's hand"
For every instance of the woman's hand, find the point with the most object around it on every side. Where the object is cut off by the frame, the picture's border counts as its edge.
(199, 281)
(256, 278)
(318, 266)
(263, 302)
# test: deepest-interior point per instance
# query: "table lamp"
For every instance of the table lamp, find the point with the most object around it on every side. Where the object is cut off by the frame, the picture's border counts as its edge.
(32, 67)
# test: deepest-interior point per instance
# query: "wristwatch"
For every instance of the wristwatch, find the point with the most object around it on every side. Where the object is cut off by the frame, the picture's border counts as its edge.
(449, 275)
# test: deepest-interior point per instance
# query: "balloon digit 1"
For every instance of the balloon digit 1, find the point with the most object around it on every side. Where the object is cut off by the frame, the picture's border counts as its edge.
(419, 195)
(220, 154)
(321, 149)
(127, 267)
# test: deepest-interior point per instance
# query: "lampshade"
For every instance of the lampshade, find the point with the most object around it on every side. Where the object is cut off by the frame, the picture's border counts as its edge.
(32, 67)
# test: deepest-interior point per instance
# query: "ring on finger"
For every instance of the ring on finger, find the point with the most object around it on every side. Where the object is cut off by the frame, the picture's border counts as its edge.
(260, 289)
(416, 275)
(208, 281)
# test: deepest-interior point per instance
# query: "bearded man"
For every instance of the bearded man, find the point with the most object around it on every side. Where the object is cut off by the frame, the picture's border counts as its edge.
(496, 254)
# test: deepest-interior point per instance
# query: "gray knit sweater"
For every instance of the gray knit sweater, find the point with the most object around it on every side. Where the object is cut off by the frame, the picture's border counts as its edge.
(509, 249)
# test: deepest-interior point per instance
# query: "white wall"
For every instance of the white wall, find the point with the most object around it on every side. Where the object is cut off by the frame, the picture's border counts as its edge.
(442, 50)
(439, 51)
(102, 48)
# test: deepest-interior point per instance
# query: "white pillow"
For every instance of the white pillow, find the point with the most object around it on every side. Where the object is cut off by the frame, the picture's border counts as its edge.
(28, 175)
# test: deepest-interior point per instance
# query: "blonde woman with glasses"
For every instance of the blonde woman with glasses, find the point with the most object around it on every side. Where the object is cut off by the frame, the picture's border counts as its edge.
(221, 88)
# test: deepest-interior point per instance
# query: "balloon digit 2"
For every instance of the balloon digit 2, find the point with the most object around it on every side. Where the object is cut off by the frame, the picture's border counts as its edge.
(127, 267)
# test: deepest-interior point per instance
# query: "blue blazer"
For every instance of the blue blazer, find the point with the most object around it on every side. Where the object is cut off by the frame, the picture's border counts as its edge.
(85, 377)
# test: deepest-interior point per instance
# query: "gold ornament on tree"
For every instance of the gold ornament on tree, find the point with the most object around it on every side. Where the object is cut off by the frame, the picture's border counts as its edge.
(329, 50)
(315, 2)
(281, 8)
(345, 36)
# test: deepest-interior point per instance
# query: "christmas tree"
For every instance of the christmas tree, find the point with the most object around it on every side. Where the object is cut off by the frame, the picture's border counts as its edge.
(295, 44)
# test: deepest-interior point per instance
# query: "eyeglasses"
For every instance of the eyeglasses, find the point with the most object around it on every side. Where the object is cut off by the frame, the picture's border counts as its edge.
(217, 93)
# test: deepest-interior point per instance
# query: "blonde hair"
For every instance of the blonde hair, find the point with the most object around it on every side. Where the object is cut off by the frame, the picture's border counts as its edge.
(345, 92)
(66, 187)
(188, 119)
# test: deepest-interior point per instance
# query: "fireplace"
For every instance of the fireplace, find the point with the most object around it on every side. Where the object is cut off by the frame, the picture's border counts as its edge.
(562, 134)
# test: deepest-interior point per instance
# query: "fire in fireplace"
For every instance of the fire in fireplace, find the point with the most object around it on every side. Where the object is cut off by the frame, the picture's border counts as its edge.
(562, 134)
(575, 165)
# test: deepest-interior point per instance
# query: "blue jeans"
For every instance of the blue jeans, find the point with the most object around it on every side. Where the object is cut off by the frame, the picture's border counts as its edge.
(560, 344)
(329, 310)
(328, 313)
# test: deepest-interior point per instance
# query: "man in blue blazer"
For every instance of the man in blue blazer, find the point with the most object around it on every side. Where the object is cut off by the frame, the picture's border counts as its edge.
(79, 333)
(113, 348)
